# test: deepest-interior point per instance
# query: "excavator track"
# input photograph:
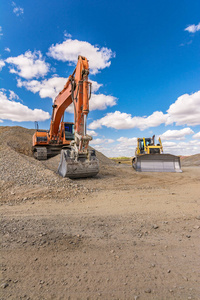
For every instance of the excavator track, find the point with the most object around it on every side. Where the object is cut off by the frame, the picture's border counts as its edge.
(40, 153)
(83, 166)
(157, 163)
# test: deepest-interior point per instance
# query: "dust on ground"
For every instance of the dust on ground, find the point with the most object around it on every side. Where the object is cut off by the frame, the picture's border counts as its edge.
(119, 235)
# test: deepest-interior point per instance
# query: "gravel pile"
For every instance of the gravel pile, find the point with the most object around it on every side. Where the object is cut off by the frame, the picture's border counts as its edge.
(22, 169)
(17, 138)
(192, 160)
(21, 173)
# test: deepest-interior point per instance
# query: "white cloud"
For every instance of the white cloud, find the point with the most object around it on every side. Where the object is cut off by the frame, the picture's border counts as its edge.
(193, 28)
(92, 132)
(29, 65)
(197, 135)
(182, 148)
(185, 110)
(169, 144)
(101, 141)
(69, 50)
(7, 49)
(187, 43)
(47, 88)
(120, 120)
(13, 96)
(67, 35)
(127, 146)
(97, 102)
(95, 85)
(102, 101)
(124, 149)
(15, 111)
(2, 64)
(118, 150)
(128, 141)
(176, 134)
(17, 9)
(52, 87)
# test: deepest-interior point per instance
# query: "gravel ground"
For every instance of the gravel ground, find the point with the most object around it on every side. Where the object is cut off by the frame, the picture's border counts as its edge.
(119, 235)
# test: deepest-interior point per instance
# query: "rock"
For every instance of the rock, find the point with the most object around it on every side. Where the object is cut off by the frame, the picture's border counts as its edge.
(4, 285)
(148, 291)
(196, 227)
(155, 226)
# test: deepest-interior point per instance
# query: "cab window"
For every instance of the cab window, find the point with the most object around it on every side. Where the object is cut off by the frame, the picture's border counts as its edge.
(69, 131)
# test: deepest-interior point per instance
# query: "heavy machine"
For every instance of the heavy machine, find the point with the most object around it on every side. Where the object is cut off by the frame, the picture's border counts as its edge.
(69, 138)
(149, 157)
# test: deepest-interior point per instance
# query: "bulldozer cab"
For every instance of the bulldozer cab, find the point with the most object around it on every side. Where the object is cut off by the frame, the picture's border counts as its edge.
(143, 145)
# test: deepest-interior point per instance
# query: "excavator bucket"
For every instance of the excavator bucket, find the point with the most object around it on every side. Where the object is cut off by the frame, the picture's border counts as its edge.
(83, 166)
(157, 163)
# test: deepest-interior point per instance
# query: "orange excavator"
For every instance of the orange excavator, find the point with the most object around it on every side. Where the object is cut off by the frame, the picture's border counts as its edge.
(69, 138)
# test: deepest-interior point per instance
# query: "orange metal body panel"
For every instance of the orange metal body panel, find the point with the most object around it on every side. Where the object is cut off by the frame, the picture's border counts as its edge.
(40, 134)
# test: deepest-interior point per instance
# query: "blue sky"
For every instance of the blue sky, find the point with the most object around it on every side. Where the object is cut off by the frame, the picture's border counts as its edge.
(144, 59)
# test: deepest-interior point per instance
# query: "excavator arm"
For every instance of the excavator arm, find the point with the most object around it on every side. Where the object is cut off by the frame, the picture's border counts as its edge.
(76, 161)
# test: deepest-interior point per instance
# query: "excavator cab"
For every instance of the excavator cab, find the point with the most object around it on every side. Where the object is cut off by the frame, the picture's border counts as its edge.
(69, 131)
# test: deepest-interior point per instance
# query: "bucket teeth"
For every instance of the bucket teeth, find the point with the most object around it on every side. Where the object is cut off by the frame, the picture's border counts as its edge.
(84, 166)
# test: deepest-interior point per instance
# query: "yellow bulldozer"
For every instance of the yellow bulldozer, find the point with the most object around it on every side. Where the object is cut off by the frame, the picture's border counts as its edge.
(149, 157)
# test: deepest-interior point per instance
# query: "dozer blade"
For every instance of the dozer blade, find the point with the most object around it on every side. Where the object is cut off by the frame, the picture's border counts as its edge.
(157, 163)
(78, 168)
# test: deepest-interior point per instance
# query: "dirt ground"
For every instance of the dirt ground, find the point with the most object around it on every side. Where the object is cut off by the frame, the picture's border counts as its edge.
(120, 235)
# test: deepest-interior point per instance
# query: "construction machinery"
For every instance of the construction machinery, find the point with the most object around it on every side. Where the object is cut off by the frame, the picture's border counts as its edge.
(149, 157)
(70, 138)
